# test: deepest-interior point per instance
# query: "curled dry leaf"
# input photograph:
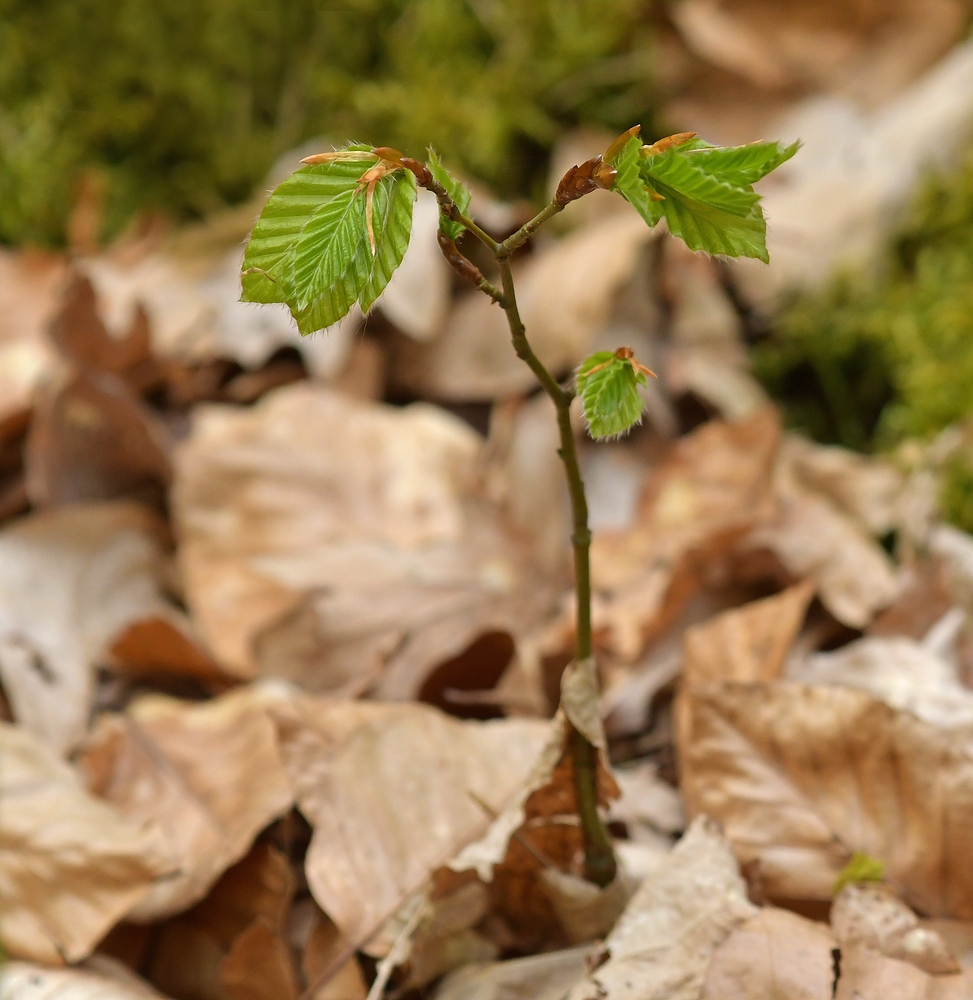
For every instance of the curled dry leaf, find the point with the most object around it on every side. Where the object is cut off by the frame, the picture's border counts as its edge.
(209, 774)
(706, 496)
(539, 977)
(24, 981)
(565, 294)
(73, 582)
(871, 916)
(70, 865)
(901, 672)
(663, 942)
(774, 955)
(803, 776)
(866, 975)
(394, 792)
(810, 536)
(748, 643)
(331, 564)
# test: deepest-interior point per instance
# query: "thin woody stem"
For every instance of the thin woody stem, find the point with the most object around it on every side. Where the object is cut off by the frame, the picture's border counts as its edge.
(599, 855)
(519, 238)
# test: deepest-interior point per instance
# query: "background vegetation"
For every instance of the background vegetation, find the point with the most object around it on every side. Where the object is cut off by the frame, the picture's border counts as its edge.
(183, 105)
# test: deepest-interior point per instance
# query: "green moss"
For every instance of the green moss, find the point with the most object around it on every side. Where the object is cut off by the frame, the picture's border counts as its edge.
(184, 104)
(956, 492)
(869, 363)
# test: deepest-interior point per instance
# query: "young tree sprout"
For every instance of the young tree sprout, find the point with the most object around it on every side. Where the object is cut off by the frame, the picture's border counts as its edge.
(332, 234)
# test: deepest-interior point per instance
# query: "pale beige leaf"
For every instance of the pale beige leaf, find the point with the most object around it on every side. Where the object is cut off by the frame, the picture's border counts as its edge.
(329, 565)
(803, 776)
(539, 977)
(776, 955)
(565, 294)
(23, 981)
(663, 943)
(901, 672)
(71, 866)
(70, 582)
(867, 975)
(393, 793)
(871, 916)
(209, 774)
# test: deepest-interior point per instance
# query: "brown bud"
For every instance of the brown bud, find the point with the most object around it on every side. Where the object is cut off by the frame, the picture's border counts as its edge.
(457, 261)
(422, 172)
(388, 153)
(577, 182)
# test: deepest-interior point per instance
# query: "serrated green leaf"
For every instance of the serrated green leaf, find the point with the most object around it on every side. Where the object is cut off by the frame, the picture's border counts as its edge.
(739, 164)
(629, 184)
(612, 404)
(311, 249)
(861, 868)
(456, 190)
(705, 212)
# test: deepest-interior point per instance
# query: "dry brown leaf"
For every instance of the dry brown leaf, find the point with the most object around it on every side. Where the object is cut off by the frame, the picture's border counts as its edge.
(810, 536)
(565, 294)
(23, 981)
(862, 486)
(664, 940)
(70, 865)
(331, 564)
(711, 491)
(209, 774)
(73, 582)
(322, 948)
(866, 975)
(393, 793)
(188, 951)
(871, 916)
(92, 439)
(776, 955)
(259, 965)
(539, 977)
(748, 643)
(803, 776)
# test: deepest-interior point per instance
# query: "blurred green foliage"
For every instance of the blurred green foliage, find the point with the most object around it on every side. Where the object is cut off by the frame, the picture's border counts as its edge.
(185, 104)
(869, 363)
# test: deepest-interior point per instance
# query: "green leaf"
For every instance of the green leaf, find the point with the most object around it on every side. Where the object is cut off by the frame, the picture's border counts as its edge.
(861, 868)
(740, 164)
(610, 396)
(629, 184)
(456, 190)
(705, 193)
(311, 248)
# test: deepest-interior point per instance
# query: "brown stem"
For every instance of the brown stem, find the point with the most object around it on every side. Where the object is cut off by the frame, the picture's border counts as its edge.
(599, 857)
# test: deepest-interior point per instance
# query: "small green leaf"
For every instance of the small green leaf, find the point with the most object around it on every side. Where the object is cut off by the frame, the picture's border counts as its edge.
(629, 184)
(456, 190)
(739, 164)
(861, 868)
(610, 396)
(311, 247)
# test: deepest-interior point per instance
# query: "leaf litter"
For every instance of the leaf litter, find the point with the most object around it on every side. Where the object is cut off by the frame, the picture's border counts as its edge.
(284, 623)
